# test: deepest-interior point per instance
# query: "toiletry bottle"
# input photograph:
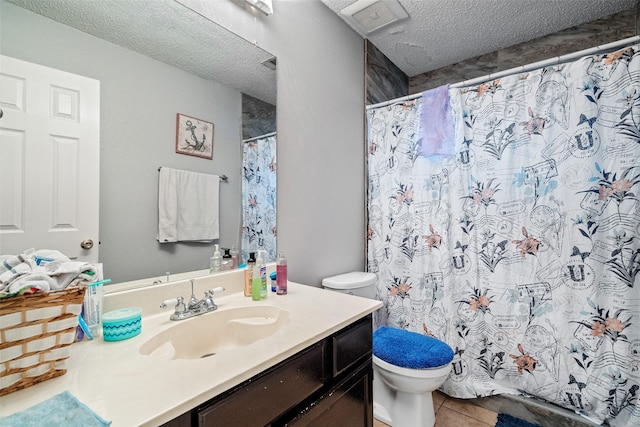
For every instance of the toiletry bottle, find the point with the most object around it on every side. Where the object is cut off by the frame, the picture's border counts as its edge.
(234, 258)
(262, 268)
(226, 260)
(216, 260)
(248, 274)
(92, 307)
(281, 274)
(256, 280)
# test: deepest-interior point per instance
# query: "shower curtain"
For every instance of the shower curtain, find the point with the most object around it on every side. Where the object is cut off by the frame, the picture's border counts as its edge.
(521, 250)
(259, 197)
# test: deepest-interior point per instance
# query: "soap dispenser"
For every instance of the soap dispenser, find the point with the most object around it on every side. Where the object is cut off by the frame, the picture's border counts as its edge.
(216, 260)
(226, 260)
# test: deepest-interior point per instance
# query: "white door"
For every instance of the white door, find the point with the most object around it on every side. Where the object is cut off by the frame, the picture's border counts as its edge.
(50, 160)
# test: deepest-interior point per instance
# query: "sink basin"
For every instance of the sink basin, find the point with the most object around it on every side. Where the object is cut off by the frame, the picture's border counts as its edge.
(212, 333)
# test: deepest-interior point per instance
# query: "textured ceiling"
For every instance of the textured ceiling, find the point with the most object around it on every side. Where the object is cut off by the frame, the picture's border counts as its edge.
(438, 33)
(171, 33)
(443, 32)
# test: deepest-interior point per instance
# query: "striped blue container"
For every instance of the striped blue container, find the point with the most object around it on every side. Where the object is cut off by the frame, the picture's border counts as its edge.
(122, 324)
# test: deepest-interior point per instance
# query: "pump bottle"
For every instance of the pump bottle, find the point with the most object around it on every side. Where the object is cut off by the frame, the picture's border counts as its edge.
(262, 271)
(226, 260)
(234, 258)
(248, 275)
(216, 260)
(256, 280)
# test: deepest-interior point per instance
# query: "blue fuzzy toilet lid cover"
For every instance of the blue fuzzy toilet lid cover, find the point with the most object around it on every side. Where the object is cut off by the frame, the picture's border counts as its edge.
(409, 349)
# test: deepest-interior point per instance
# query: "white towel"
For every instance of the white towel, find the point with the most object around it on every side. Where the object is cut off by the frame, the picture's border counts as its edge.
(188, 206)
(47, 277)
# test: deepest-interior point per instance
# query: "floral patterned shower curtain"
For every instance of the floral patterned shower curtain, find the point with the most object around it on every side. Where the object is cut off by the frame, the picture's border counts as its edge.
(259, 197)
(521, 251)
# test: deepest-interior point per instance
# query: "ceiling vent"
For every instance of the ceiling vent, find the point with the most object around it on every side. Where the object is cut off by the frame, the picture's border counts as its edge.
(367, 16)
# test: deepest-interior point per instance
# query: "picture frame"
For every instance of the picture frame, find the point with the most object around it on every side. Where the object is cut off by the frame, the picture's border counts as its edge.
(194, 137)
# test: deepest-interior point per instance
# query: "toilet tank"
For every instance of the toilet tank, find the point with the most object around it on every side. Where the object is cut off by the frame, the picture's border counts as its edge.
(355, 283)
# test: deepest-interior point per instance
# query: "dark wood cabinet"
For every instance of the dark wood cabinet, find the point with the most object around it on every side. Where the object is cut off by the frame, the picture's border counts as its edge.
(344, 405)
(328, 383)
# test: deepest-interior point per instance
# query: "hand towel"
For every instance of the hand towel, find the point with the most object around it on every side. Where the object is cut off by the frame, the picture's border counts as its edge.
(436, 123)
(62, 410)
(188, 206)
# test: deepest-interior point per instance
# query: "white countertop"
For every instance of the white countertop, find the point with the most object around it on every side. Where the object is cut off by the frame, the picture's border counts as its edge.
(130, 389)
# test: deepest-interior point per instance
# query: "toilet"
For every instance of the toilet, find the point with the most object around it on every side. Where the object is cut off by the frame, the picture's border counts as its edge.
(407, 366)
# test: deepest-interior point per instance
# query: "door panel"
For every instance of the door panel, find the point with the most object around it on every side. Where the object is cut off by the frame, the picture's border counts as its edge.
(50, 131)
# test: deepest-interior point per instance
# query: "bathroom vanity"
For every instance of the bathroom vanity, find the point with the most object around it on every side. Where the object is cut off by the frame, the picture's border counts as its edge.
(313, 369)
(328, 383)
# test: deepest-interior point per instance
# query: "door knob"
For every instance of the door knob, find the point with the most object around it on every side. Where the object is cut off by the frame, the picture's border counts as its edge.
(86, 244)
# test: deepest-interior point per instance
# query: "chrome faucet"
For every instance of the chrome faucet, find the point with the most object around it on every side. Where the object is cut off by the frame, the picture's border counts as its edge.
(195, 307)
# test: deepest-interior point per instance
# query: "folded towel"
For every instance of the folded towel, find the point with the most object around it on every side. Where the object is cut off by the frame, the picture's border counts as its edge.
(188, 206)
(436, 130)
(63, 410)
(409, 349)
(23, 271)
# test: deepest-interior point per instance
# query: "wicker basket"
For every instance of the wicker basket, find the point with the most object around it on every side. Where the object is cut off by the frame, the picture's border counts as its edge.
(36, 331)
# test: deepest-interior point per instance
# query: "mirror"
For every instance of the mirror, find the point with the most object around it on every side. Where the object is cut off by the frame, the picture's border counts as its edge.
(154, 59)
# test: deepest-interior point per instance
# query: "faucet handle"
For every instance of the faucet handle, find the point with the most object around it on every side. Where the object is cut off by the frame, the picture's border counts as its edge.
(208, 297)
(211, 292)
(177, 301)
(168, 302)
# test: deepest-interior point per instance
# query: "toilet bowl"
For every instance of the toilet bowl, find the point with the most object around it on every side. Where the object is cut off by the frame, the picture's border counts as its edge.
(402, 396)
(407, 366)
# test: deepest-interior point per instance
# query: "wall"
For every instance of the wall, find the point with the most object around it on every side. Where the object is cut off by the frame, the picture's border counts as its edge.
(384, 80)
(258, 117)
(321, 150)
(139, 101)
(321, 157)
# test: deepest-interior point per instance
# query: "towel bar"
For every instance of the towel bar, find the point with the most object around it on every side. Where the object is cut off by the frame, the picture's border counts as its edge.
(224, 178)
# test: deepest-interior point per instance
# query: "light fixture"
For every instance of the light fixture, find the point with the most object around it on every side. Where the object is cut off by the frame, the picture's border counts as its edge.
(367, 16)
(264, 6)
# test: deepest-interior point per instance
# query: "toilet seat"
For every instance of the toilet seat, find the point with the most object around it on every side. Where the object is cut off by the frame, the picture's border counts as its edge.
(410, 372)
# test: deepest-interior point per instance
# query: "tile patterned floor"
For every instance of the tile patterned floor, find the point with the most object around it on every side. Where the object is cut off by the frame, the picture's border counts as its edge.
(451, 412)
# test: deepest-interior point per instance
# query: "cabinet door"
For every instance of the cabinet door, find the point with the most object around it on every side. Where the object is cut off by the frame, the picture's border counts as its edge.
(352, 346)
(267, 397)
(350, 403)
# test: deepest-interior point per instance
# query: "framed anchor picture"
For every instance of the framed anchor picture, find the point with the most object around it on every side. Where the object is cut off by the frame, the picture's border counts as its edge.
(194, 137)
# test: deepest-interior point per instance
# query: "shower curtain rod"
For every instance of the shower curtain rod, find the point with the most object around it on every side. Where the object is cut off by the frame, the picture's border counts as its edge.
(520, 69)
(266, 135)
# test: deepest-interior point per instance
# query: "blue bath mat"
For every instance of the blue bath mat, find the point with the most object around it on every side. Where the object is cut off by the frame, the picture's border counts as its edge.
(506, 420)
